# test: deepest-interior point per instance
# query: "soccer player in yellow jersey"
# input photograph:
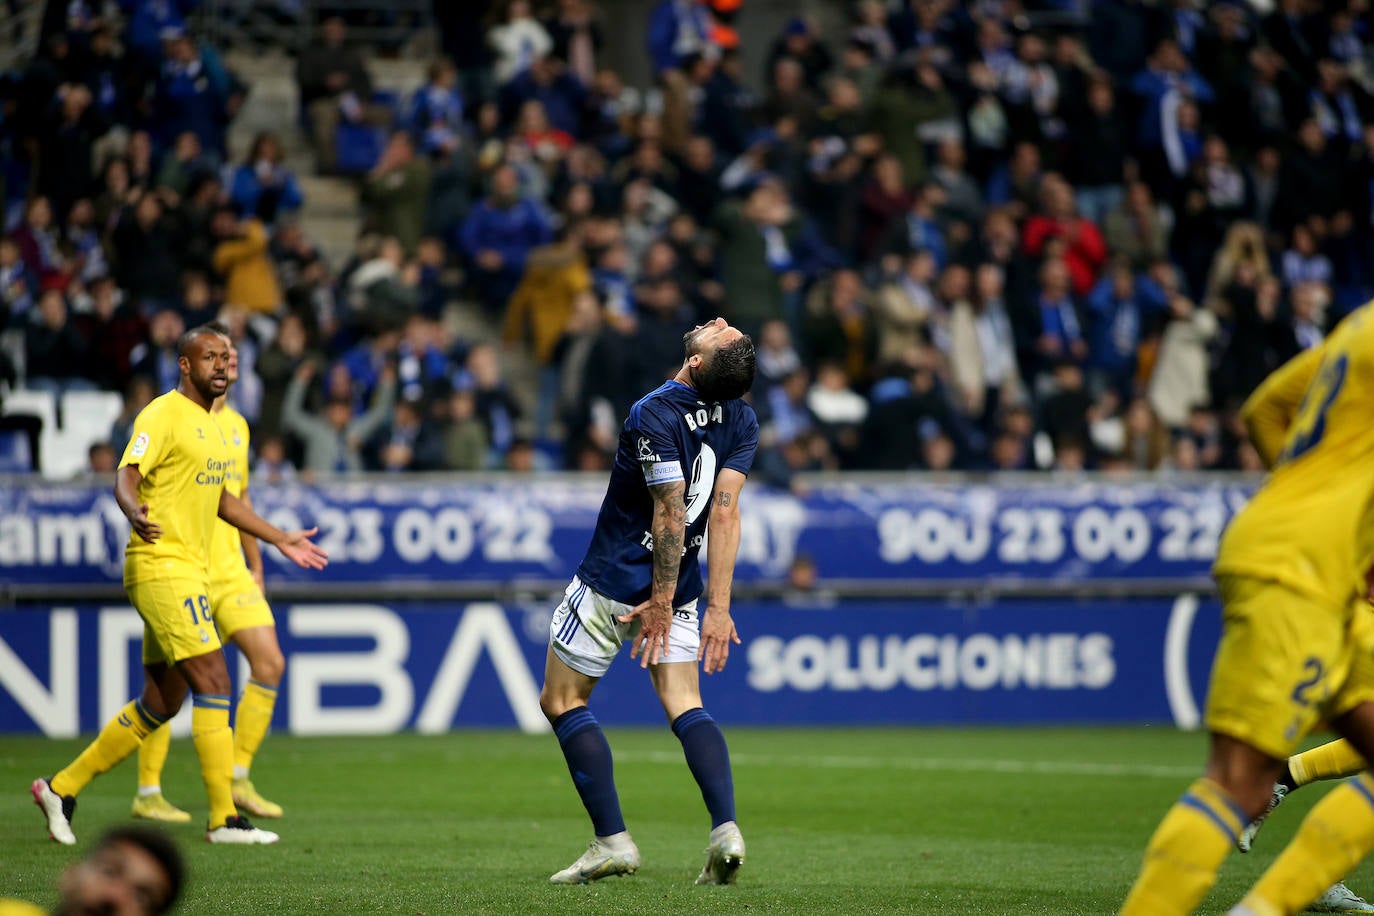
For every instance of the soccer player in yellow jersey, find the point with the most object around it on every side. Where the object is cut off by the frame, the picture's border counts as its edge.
(170, 485)
(243, 617)
(1296, 648)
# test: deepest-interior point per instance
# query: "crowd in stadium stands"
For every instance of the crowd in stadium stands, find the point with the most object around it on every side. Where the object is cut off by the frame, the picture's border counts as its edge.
(959, 242)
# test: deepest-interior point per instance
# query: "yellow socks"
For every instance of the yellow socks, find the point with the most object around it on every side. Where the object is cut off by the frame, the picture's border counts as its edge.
(152, 756)
(1185, 852)
(117, 740)
(1333, 760)
(1335, 835)
(251, 722)
(215, 746)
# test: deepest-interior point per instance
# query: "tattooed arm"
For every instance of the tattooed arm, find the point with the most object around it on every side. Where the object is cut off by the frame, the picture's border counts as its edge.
(722, 545)
(656, 614)
(669, 528)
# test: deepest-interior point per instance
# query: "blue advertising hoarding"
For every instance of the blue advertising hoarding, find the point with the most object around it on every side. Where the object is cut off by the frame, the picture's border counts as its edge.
(377, 668)
(892, 533)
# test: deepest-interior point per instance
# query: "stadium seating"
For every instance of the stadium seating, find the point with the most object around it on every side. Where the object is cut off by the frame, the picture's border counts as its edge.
(41, 404)
(86, 418)
(90, 414)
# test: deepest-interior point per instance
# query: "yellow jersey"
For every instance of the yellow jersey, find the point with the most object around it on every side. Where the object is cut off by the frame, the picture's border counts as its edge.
(1310, 526)
(226, 551)
(178, 448)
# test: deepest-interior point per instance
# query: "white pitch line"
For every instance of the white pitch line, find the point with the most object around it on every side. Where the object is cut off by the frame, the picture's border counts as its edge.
(941, 764)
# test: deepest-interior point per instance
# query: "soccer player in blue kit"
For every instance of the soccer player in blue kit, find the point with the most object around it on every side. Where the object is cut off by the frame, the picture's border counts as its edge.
(679, 468)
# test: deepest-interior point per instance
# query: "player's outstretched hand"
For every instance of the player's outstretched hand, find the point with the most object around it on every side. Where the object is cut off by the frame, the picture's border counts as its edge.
(145, 527)
(717, 632)
(299, 549)
(656, 622)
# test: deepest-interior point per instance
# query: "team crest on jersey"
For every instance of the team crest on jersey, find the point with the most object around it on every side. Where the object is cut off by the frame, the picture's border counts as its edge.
(646, 450)
(140, 445)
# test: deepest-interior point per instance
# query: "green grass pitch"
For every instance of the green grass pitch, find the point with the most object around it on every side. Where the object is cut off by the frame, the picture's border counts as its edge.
(948, 821)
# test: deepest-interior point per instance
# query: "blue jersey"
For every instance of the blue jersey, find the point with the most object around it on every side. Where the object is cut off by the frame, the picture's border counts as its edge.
(671, 434)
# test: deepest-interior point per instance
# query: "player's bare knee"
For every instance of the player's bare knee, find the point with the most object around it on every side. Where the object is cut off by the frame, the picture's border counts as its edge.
(1245, 773)
(554, 702)
(267, 667)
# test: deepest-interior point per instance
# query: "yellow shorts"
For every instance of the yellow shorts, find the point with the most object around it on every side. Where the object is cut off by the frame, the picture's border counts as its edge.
(238, 604)
(1285, 663)
(177, 623)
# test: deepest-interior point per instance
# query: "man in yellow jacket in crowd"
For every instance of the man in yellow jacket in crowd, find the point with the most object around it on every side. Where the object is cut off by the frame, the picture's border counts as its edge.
(241, 259)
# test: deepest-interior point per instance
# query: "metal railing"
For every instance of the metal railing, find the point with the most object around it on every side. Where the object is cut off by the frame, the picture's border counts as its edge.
(260, 25)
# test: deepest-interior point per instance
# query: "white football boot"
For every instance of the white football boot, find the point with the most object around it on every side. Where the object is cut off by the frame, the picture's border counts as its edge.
(237, 831)
(57, 811)
(724, 856)
(605, 856)
(1340, 899)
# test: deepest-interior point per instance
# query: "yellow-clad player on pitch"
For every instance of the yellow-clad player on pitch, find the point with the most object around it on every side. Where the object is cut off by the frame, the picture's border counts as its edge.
(243, 617)
(170, 486)
(1295, 646)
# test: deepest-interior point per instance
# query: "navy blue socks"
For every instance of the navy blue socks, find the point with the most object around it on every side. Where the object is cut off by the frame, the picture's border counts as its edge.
(709, 760)
(592, 770)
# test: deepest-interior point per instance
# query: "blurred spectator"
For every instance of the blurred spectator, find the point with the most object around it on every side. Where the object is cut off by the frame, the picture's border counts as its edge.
(1120, 308)
(114, 330)
(1302, 262)
(18, 285)
(88, 259)
(1084, 251)
(521, 457)
(272, 467)
(518, 41)
(1061, 330)
(262, 187)
(396, 194)
(677, 29)
(983, 349)
(436, 111)
(1179, 382)
(907, 405)
(1137, 228)
(576, 33)
(156, 359)
(498, 235)
(496, 407)
(182, 164)
(839, 410)
(145, 254)
(757, 265)
(38, 240)
(465, 439)
(333, 84)
(1097, 161)
(194, 93)
(101, 459)
(405, 443)
(840, 327)
(556, 276)
(66, 146)
(800, 41)
(241, 259)
(55, 352)
(547, 82)
(333, 439)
